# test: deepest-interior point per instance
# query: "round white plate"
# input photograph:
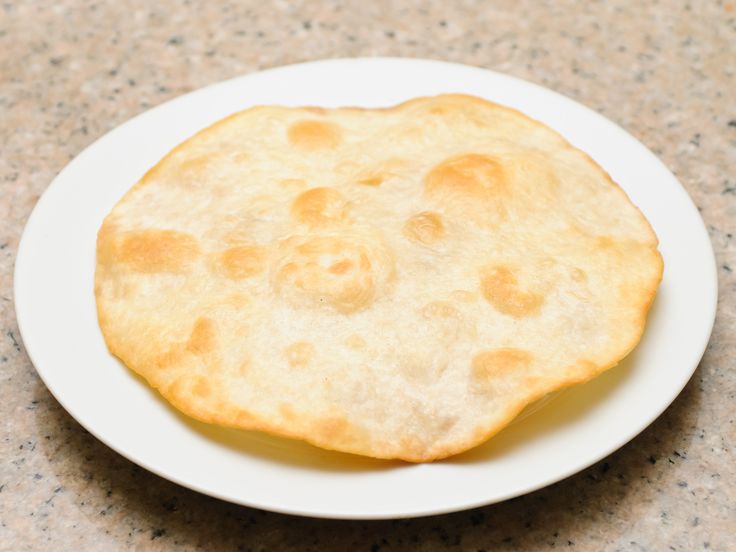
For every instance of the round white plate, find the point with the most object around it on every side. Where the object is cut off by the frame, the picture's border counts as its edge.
(56, 313)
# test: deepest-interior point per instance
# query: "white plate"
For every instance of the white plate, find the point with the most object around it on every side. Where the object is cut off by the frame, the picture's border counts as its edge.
(56, 313)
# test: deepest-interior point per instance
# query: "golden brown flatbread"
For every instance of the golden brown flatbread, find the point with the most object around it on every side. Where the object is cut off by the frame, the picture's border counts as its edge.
(397, 283)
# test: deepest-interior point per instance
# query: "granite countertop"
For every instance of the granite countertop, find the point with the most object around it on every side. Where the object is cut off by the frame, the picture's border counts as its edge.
(72, 70)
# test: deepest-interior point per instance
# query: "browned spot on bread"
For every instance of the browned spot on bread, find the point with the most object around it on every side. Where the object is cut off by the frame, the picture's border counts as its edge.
(201, 387)
(287, 412)
(413, 446)
(377, 173)
(202, 338)
(578, 286)
(328, 271)
(299, 354)
(314, 135)
(354, 341)
(341, 267)
(440, 109)
(151, 251)
(319, 206)
(106, 243)
(172, 357)
(177, 391)
(371, 180)
(446, 104)
(605, 242)
(192, 390)
(471, 175)
(424, 227)
(331, 429)
(488, 365)
(618, 248)
(243, 418)
(237, 300)
(581, 370)
(500, 288)
(578, 275)
(238, 263)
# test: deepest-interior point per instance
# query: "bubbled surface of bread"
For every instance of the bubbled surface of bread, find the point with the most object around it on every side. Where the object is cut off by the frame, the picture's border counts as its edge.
(397, 283)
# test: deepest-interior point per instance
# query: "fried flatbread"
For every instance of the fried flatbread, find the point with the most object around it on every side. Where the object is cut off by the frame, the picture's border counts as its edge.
(397, 283)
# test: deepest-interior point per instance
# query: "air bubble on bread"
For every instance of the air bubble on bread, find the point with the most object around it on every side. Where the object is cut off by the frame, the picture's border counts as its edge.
(151, 251)
(245, 261)
(500, 287)
(471, 175)
(499, 364)
(312, 135)
(329, 271)
(319, 207)
(424, 228)
(202, 338)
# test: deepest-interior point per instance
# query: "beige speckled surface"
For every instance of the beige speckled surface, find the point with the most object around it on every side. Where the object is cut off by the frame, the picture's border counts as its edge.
(72, 70)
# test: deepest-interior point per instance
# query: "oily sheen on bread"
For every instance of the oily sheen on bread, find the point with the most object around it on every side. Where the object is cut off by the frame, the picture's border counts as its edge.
(397, 283)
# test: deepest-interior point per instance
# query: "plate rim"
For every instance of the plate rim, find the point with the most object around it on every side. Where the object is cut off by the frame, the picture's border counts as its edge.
(22, 255)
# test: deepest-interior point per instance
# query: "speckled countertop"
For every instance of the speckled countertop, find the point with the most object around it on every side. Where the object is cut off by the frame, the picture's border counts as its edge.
(72, 70)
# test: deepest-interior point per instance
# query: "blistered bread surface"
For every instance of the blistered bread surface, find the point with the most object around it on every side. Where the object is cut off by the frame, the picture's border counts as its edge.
(397, 283)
